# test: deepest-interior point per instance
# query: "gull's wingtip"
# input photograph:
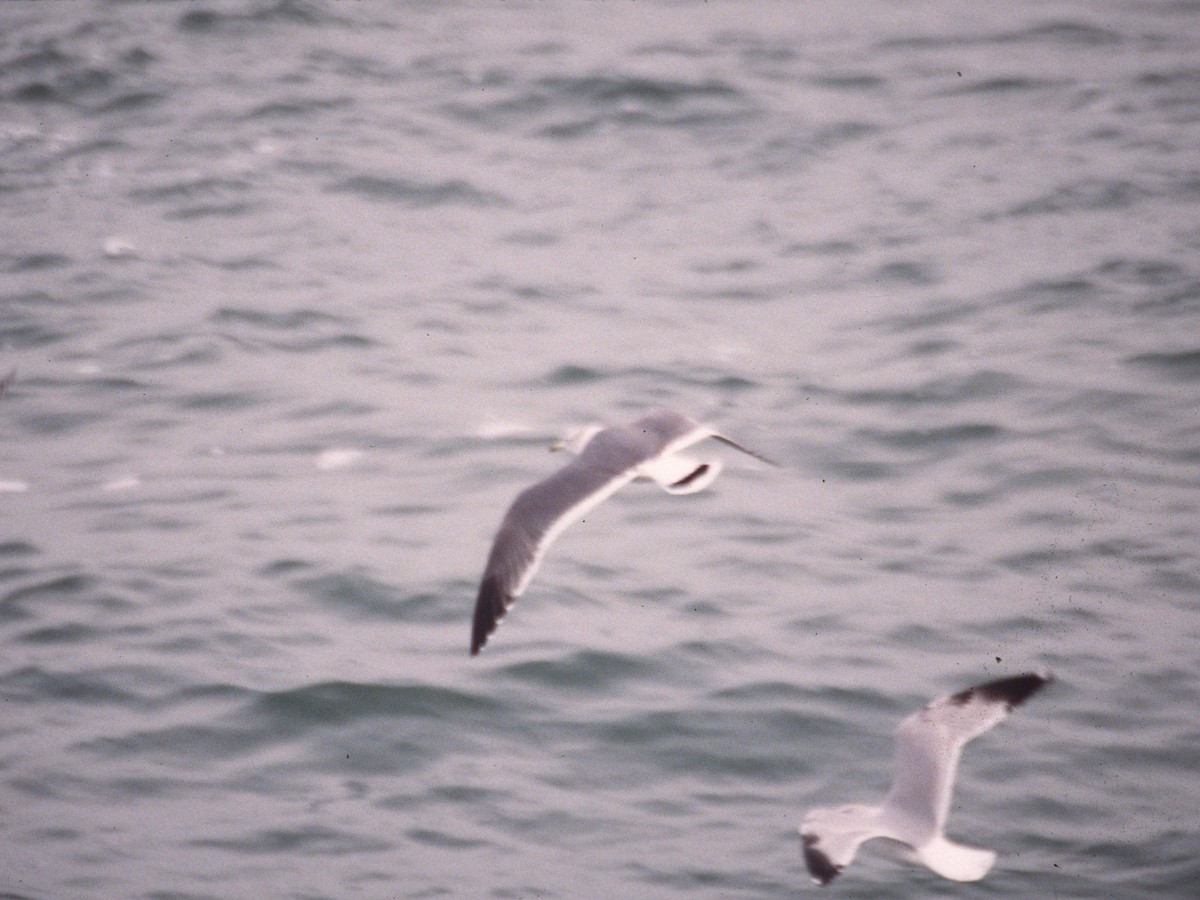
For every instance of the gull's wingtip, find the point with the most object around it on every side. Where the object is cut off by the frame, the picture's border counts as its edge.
(717, 436)
(820, 866)
(490, 607)
(1012, 691)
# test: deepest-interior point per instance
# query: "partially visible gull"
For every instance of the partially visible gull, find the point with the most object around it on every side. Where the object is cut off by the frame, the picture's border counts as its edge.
(929, 744)
(607, 459)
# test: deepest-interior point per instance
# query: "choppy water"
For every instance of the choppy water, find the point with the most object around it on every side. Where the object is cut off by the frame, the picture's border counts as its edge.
(297, 293)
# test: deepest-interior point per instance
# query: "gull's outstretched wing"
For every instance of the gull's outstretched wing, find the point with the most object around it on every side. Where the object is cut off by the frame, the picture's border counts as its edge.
(929, 744)
(539, 515)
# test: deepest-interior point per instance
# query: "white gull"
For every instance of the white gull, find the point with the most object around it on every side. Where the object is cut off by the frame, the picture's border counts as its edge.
(607, 460)
(929, 744)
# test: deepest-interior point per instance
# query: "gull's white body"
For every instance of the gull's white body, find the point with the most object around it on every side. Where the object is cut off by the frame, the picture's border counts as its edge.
(929, 744)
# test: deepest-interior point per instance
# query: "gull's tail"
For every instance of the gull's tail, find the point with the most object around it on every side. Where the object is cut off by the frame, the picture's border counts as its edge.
(957, 862)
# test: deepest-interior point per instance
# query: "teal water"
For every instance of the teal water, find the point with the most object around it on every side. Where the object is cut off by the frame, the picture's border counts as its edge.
(298, 294)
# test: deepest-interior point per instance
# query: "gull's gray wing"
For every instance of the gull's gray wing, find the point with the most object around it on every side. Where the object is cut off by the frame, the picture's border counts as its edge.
(929, 744)
(540, 514)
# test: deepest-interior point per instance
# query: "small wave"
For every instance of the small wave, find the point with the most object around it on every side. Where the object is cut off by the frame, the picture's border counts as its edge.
(925, 438)
(588, 670)
(306, 840)
(574, 106)
(939, 391)
(417, 194)
(1088, 194)
(337, 702)
(1182, 365)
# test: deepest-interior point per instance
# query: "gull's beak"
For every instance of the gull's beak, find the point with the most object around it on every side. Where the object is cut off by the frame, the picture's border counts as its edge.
(557, 445)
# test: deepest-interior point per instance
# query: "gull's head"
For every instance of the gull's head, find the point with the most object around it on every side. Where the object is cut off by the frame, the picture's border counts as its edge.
(576, 440)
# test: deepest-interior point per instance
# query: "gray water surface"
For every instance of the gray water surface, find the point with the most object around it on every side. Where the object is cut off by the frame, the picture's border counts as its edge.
(298, 293)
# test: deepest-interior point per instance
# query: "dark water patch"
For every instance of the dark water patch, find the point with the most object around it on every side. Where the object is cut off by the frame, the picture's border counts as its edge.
(1046, 477)
(340, 702)
(731, 266)
(16, 263)
(34, 685)
(615, 90)
(1037, 559)
(1177, 580)
(917, 637)
(1183, 365)
(930, 316)
(715, 379)
(835, 247)
(218, 401)
(837, 134)
(1183, 300)
(721, 882)
(17, 548)
(301, 841)
(45, 56)
(984, 385)
(49, 590)
(296, 330)
(1012, 84)
(190, 189)
(714, 652)
(209, 20)
(576, 106)
(334, 409)
(946, 437)
(971, 499)
(530, 237)
(906, 272)
(1083, 196)
(859, 469)
(361, 597)
(933, 347)
(590, 671)
(232, 209)
(170, 349)
(422, 509)
(442, 840)
(240, 263)
(849, 81)
(1062, 33)
(740, 293)
(297, 108)
(71, 633)
(130, 101)
(642, 729)
(769, 693)
(1147, 271)
(571, 375)
(1066, 33)
(417, 194)
(333, 719)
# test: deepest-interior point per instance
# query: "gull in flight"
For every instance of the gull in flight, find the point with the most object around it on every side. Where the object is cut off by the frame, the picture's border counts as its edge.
(606, 460)
(929, 744)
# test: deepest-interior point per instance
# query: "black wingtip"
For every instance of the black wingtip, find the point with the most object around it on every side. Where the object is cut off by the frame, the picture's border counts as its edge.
(819, 865)
(1013, 691)
(736, 446)
(490, 607)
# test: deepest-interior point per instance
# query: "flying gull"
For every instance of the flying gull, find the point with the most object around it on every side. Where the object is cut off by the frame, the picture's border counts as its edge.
(607, 459)
(929, 744)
